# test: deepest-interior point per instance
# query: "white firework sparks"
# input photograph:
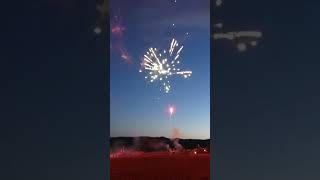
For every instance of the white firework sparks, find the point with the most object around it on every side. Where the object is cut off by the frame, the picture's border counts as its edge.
(160, 65)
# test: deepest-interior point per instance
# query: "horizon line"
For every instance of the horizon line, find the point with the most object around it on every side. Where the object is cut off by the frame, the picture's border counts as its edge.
(157, 137)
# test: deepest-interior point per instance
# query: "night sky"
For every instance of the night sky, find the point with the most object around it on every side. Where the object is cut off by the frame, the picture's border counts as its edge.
(54, 92)
(138, 107)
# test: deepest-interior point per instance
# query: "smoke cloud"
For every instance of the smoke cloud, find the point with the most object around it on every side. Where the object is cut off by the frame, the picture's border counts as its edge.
(175, 135)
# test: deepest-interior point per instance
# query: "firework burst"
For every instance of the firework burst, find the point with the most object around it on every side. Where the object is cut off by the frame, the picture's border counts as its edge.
(160, 65)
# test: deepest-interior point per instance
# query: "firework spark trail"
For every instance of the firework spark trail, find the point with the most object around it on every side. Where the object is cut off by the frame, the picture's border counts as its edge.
(160, 65)
(117, 31)
(238, 37)
(234, 35)
(117, 47)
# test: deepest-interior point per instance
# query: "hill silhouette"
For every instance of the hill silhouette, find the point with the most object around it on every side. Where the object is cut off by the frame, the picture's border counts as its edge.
(148, 144)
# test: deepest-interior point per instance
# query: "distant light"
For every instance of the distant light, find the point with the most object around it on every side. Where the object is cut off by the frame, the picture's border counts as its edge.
(97, 30)
(254, 43)
(172, 24)
(218, 2)
(219, 25)
(171, 109)
(242, 47)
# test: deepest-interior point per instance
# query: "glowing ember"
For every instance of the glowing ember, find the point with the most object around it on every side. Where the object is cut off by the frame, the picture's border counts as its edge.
(171, 110)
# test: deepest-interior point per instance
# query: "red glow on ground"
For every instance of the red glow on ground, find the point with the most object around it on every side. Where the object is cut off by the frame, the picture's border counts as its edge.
(161, 165)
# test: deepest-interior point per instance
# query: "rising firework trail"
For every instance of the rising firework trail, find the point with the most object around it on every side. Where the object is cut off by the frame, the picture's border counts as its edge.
(171, 110)
(160, 65)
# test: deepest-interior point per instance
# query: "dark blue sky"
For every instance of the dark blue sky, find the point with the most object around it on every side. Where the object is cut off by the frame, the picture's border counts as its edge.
(266, 124)
(138, 107)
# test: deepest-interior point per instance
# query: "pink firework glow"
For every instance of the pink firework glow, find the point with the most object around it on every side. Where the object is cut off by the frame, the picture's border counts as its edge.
(117, 27)
(117, 42)
(119, 49)
(125, 56)
(117, 30)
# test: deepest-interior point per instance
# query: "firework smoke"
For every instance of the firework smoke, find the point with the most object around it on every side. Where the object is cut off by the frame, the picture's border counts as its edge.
(160, 65)
(175, 135)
